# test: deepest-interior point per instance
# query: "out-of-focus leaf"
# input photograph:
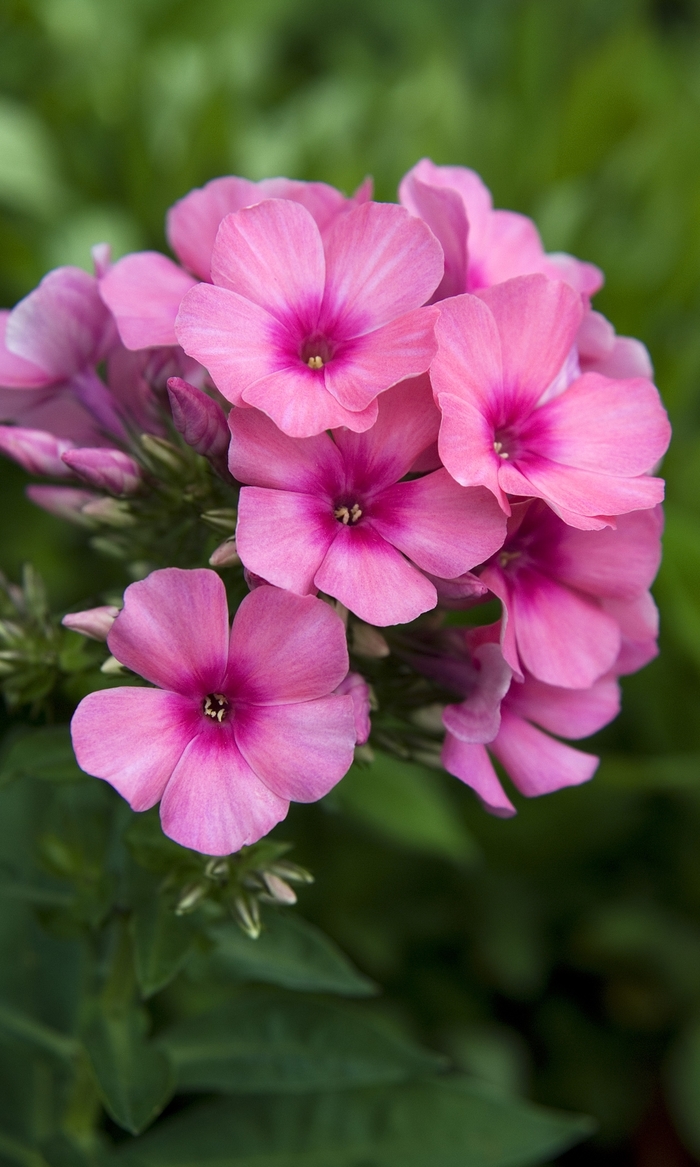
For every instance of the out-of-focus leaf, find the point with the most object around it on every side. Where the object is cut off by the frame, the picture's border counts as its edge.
(28, 177)
(275, 1043)
(13, 1151)
(449, 1123)
(162, 940)
(44, 753)
(17, 1023)
(134, 1077)
(682, 1085)
(664, 772)
(406, 803)
(677, 585)
(291, 953)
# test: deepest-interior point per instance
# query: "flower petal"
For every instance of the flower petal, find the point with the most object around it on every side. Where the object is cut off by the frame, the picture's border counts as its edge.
(193, 221)
(443, 210)
(16, 372)
(133, 738)
(173, 630)
(144, 292)
(472, 765)
(468, 362)
(572, 492)
(62, 326)
(283, 536)
(298, 402)
(617, 563)
(373, 580)
(376, 361)
(260, 454)
(299, 751)
(478, 717)
(536, 763)
(573, 713)
(285, 648)
(466, 447)
(214, 803)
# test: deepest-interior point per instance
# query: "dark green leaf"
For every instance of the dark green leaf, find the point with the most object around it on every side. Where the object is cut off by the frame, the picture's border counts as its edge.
(449, 1123)
(291, 953)
(134, 1077)
(282, 1043)
(408, 804)
(162, 940)
(44, 753)
(683, 1085)
(19, 1024)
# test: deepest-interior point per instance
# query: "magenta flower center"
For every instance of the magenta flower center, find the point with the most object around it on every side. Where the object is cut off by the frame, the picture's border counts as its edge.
(316, 351)
(348, 514)
(505, 443)
(216, 706)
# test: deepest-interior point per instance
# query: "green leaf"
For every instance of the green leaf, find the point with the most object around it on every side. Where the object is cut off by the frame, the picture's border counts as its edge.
(134, 1077)
(293, 954)
(267, 1042)
(449, 1123)
(162, 940)
(44, 753)
(682, 1082)
(408, 804)
(20, 1025)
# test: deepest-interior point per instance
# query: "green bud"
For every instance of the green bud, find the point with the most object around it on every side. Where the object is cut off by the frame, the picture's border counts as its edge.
(223, 519)
(163, 451)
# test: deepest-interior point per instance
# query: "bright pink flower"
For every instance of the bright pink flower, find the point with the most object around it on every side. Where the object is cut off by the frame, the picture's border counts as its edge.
(586, 451)
(144, 290)
(311, 328)
(107, 469)
(35, 450)
(93, 622)
(331, 514)
(483, 247)
(600, 350)
(239, 724)
(560, 587)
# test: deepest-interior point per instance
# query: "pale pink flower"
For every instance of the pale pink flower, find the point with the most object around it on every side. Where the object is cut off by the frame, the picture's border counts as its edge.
(144, 290)
(240, 723)
(93, 622)
(310, 328)
(586, 451)
(331, 514)
(482, 246)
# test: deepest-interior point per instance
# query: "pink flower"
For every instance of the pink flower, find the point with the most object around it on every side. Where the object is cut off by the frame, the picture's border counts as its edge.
(106, 469)
(239, 724)
(600, 350)
(357, 687)
(311, 328)
(555, 582)
(93, 622)
(586, 451)
(200, 420)
(144, 290)
(331, 514)
(38, 452)
(483, 247)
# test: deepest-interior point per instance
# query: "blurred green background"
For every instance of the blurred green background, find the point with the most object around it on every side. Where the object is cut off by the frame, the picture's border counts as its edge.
(560, 956)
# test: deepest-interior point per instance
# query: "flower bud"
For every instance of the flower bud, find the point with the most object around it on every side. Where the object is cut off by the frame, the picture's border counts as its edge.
(279, 889)
(190, 897)
(105, 468)
(112, 667)
(37, 451)
(221, 519)
(248, 914)
(200, 420)
(163, 451)
(356, 687)
(65, 501)
(113, 512)
(225, 554)
(368, 641)
(93, 622)
(102, 259)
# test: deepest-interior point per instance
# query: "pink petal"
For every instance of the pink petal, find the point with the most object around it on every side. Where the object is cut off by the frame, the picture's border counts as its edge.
(407, 423)
(466, 448)
(573, 713)
(537, 320)
(261, 455)
(536, 763)
(192, 223)
(572, 492)
(173, 630)
(285, 648)
(272, 254)
(508, 245)
(444, 528)
(443, 210)
(283, 536)
(468, 361)
(502, 586)
(629, 358)
(605, 427)
(478, 717)
(472, 765)
(62, 326)
(380, 264)
(475, 196)
(144, 292)
(299, 751)
(376, 361)
(93, 622)
(373, 580)
(298, 402)
(638, 618)
(585, 278)
(37, 451)
(133, 738)
(616, 563)
(15, 372)
(214, 803)
(355, 686)
(324, 203)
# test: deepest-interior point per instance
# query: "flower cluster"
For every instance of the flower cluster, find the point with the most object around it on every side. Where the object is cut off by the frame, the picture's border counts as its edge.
(408, 409)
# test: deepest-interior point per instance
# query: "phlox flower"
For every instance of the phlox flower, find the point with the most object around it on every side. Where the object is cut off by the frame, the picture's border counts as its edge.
(144, 289)
(240, 723)
(586, 450)
(482, 246)
(330, 513)
(601, 350)
(310, 328)
(562, 588)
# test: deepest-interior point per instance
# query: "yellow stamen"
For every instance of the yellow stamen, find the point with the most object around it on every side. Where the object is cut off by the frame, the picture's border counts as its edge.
(315, 362)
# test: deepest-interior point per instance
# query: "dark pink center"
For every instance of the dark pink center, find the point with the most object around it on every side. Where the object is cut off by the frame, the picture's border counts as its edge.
(316, 351)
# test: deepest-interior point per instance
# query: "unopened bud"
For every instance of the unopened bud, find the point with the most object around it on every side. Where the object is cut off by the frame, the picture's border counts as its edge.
(163, 451)
(105, 468)
(66, 502)
(200, 420)
(279, 889)
(217, 870)
(36, 450)
(189, 898)
(292, 871)
(93, 622)
(429, 717)
(113, 512)
(248, 914)
(368, 641)
(364, 754)
(225, 554)
(221, 519)
(102, 259)
(112, 667)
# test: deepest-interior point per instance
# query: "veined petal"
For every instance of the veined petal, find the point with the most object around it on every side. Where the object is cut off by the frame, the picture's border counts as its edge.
(16, 372)
(617, 563)
(472, 765)
(285, 648)
(377, 360)
(193, 221)
(468, 362)
(300, 751)
(573, 713)
(214, 803)
(283, 536)
(298, 402)
(465, 445)
(173, 630)
(260, 454)
(373, 580)
(443, 210)
(144, 292)
(133, 738)
(62, 326)
(571, 492)
(536, 763)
